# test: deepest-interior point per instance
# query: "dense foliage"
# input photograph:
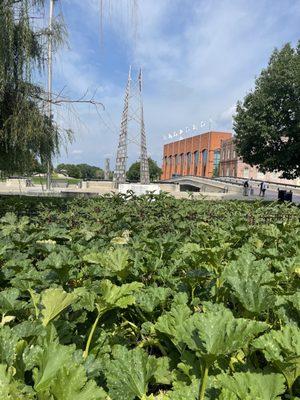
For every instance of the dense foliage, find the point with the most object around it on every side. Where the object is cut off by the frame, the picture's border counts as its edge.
(81, 171)
(26, 131)
(134, 171)
(149, 298)
(267, 122)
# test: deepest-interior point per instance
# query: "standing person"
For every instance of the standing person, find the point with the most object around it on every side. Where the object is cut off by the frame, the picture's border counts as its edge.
(264, 187)
(246, 187)
(251, 189)
(260, 188)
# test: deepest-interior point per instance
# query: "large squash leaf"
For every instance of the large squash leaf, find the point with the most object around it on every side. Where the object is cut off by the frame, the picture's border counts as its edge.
(129, 373)
(219, 333)
(8, 344)
(9, 300)
(182, 390)
(54, 302)
(11, 389)
(48, 358)
(282, 349)
(151, 297)
(112, 262)
(177, 323)
(253, 386)
(71, 383)
(113, 296)
(249, 280)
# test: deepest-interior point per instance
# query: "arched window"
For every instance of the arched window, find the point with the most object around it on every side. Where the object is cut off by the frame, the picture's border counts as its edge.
(216, 162)
(170, 166)
(235, 170)
(196, 162)
(189, 161)
(204, 162)
(181, 163)
(176, 163)
(246, 172)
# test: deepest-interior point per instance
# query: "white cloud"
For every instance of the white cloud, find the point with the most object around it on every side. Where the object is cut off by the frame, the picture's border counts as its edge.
(228, 114)
(77, 151)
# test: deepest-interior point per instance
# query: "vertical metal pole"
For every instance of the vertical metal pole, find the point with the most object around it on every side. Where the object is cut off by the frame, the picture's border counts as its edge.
(48, 184)
(144, 163)
(107, 169)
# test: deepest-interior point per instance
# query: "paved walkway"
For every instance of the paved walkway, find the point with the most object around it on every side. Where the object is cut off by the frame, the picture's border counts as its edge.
(269, 195)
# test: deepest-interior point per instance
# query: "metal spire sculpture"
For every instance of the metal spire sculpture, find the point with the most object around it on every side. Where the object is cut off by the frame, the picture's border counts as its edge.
(144, 163)
(120, 171)
(107, 169)
(133, 111)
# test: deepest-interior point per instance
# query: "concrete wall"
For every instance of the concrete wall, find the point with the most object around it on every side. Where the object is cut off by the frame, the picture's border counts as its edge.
(139, 189)
(97, 184)
(16, 183)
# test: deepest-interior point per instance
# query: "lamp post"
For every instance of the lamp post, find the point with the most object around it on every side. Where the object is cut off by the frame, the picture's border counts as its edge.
(48, 184)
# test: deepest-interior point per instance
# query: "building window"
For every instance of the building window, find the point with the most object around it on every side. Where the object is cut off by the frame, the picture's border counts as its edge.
(246, 172)
(227, 171)
(234, 171)
(177, 161)
(189, 161)
(196, 162)
(216, 162)
(189, 158)
(181, 163)
(204, 162)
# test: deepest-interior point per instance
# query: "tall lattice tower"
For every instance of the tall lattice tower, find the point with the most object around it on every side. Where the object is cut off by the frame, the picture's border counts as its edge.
(107, 169)
(144, 163)
(120, 170)
(132, 112)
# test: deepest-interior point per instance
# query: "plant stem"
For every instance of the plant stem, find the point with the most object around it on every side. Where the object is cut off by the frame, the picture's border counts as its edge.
(152, 342)
(88, 343)
(289, 384)
(203, 382)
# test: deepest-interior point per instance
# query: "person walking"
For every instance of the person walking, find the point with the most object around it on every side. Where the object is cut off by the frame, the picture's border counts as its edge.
(246, 188)
(251, 189)
(263, 188)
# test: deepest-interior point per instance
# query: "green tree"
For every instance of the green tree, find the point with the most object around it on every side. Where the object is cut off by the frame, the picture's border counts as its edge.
(267, 122)
(26, 132)
(133, 174)
(81, 171)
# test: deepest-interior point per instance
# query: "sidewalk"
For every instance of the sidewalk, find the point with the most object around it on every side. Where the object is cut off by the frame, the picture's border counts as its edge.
(270, 195)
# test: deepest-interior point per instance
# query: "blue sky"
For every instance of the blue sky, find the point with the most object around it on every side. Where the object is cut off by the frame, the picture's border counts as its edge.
(198, 57)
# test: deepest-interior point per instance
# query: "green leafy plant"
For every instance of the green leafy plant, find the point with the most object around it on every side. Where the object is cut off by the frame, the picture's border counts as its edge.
(148, 298)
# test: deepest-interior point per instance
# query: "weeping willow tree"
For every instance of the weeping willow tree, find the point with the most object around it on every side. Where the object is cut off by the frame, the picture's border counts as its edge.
(27, 134)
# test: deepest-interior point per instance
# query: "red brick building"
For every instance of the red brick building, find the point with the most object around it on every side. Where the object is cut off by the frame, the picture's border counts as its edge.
(198, 155)
(233, 166)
